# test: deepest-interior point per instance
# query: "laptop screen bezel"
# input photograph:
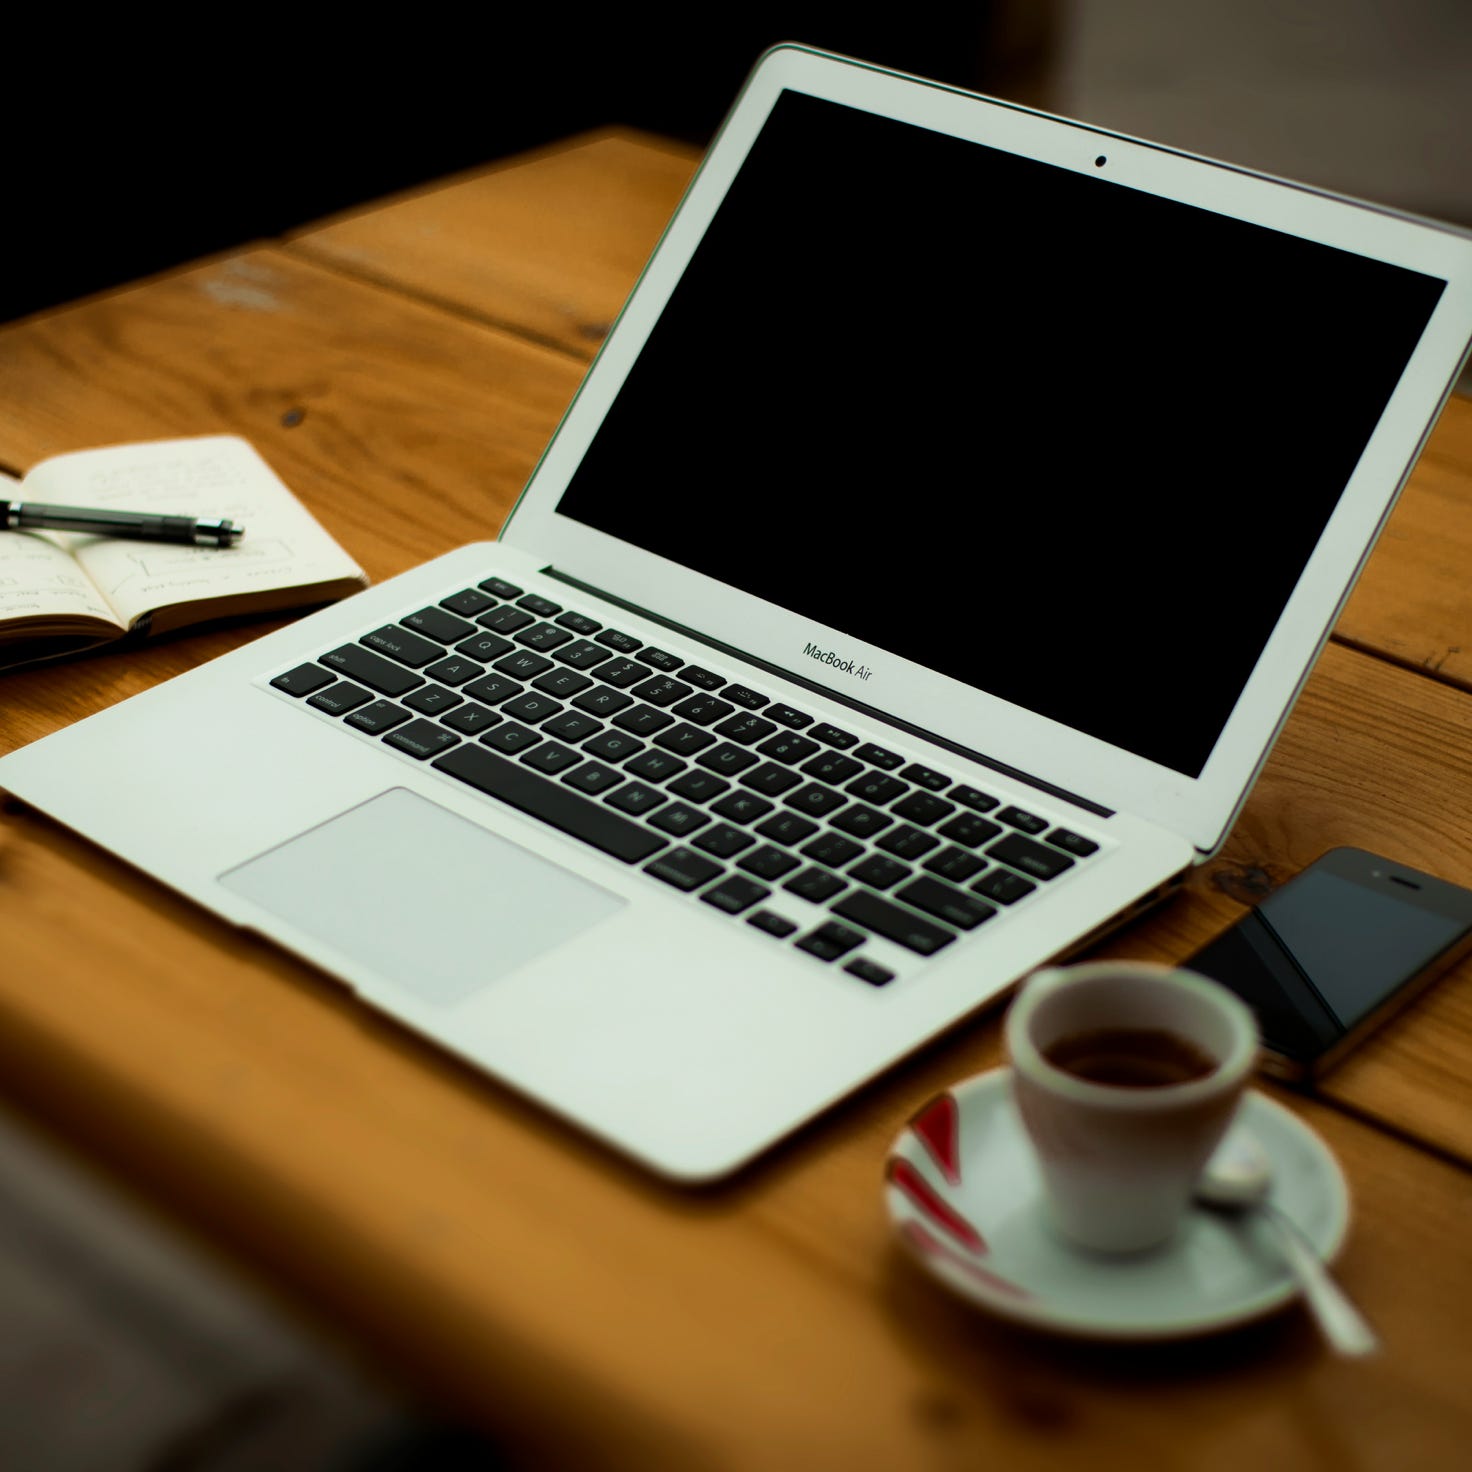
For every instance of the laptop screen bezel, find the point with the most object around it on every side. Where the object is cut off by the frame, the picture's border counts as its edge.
(1200, 808)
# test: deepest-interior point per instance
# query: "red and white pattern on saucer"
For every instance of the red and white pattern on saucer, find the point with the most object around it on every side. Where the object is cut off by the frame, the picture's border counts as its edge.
(927, 1213)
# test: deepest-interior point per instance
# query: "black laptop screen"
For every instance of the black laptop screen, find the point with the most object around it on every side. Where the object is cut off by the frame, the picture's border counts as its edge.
(1062, 440)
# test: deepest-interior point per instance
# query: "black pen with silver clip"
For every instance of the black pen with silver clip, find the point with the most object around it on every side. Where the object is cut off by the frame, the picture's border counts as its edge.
(141, 526)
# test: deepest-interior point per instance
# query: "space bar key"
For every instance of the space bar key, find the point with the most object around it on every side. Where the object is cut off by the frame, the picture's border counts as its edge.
(562, 809)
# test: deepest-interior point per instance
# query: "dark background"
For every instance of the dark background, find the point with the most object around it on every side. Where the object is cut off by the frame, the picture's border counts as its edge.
(128, 153)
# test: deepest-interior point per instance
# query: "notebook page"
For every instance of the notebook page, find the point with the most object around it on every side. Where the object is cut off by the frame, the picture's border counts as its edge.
(38, 578)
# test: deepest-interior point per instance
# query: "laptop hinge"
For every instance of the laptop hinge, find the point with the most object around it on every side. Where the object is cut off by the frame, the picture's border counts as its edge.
(868, 711)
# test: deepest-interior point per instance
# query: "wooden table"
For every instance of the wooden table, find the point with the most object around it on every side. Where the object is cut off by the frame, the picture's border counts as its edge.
(402, 368)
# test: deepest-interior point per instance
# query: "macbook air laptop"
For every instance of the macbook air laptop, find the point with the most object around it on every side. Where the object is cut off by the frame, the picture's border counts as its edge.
(912, 591)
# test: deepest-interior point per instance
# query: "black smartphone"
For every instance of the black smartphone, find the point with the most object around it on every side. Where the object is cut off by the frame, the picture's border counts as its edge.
(1327, 957)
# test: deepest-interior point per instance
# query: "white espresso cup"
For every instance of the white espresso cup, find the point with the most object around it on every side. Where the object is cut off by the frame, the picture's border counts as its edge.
(1126, 1076)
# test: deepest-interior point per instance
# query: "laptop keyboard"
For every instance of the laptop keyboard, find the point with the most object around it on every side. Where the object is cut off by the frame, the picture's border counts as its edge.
(805, 831)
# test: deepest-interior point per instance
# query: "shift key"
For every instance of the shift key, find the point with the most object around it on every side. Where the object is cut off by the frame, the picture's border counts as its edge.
(372, 670)
(902, 926)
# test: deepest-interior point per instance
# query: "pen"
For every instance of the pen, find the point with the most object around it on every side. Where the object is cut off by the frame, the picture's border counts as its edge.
(142, 526)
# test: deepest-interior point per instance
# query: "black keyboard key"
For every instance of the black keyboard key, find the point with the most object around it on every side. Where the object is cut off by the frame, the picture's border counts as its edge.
(926, 777)
(742, 807)
(613, 746)
(552, 802)
(501, 588)
(620, 672)
(635, 798)
(1021, 819)
(735, 894)
(726, 759)
(907, 842)
(815, 884)
(617, 639)
(832, 767)
(542, 607)
(969, 830)
(747, 729)
(955, 864)
(571, 725)
(685, 739)
(702, 679)
(1003, 886)
(655, 766)
(551, 757)
(768, 862)
(684, 869)
(862, 821)
(679, 818)
(703, 709)
(770, 780)
(510, 738)
(867, 970)
(724, 841)
(454, 670)
(662, 661)
(923, 808)
(951, 905)
(372, 670)
(493, 689)
(375, 719)
(784, 715)
(815, 800)
(470, 719)
(303, 680)
(593, 778)
(789, 749)
(1073, 843)
(642, 720)
(894, 922)
(832, 736)
(437, 624)
(564, 684)
(745, 697)
(532, 706)
(506, 620)
(700, 786)
(581, 654)
(339, 698)
(661, 690)
(544, 638)
(879, 756)
(484, 647)
(831, 940)
(1031, 858)
(399, 644)
(876, 788)
(603, 701)
(973, 798)
(422, 739)
(579, 623)
(879, 872)
(772, 924)
(468, 602)
(431, 700)
(523, 664)
(787, 828)
(833, 849)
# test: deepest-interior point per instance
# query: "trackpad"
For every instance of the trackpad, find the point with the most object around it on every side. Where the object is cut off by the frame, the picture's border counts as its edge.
(421, 896)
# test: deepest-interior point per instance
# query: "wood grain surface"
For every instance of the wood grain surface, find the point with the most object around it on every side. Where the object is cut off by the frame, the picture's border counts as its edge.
(402, 374)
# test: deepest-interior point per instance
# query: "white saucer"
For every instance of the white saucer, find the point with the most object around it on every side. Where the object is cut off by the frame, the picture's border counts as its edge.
(964, 1198)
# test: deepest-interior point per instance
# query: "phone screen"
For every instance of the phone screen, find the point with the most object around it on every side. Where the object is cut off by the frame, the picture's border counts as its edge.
(1322, 953)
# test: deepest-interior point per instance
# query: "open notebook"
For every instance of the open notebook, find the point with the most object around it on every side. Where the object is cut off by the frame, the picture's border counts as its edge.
(912, 591)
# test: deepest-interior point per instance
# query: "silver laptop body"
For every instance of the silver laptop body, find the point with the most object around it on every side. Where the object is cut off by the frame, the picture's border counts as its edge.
(912, 591)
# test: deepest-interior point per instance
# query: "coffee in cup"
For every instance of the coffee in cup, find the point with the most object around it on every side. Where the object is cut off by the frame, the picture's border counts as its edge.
(1126, 1076)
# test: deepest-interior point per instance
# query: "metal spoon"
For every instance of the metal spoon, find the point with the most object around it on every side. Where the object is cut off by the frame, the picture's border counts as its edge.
(1238, 1178)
